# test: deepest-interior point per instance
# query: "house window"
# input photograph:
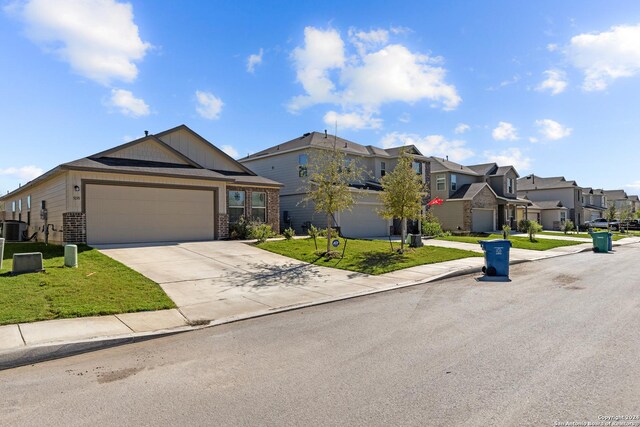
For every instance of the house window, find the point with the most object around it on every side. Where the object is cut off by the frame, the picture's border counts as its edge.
(259, 206)
(563, 217)
(417, 166)
(236, 206)
(510, 185)
(454, 182)
(303, 159)
(441, 183)
(19, 205)
(29, 201)
(383, 169)
(13, 210)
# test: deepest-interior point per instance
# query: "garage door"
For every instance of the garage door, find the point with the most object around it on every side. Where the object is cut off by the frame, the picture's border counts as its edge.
(482, 220)
(127, 214)
(363, 221)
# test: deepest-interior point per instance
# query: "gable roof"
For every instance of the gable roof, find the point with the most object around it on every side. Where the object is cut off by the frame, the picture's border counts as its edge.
(548, 204)
(469, 191)
(534, 182)
(443, 165)
(616, 194)
(483, 169)
(634, 198)
(325, 140)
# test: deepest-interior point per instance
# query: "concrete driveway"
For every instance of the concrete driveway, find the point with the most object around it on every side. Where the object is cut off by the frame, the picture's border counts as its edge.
(222, 279)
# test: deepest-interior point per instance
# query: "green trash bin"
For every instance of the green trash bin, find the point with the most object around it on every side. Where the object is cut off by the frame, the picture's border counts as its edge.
(600, 241)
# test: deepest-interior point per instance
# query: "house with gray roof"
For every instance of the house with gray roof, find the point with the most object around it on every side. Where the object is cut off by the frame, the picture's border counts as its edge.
(171, 186)
(594, 203)
(478, 198)
(551, 189)
(287, 163)
(620, 199)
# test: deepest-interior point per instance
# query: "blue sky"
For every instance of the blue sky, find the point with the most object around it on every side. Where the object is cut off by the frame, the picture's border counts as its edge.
(551, 87)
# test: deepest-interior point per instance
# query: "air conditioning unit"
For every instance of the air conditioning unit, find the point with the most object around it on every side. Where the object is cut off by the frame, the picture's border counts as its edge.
(13, 231)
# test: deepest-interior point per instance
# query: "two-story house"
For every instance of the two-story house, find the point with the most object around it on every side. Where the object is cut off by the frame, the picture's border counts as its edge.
(594, 203)
(553, 194)
(288, 162)
(619, 199)
(476, 198)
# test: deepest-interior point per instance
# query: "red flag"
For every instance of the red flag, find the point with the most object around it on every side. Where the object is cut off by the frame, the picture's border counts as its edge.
(436, 201)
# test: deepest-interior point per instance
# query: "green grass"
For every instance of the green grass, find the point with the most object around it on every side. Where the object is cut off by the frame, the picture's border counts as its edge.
(583, 235)
(516, 242)
(365, 256)
(99, 286)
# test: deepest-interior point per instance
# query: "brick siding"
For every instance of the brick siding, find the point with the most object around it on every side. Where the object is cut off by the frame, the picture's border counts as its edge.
(273, 204)
(74, 227)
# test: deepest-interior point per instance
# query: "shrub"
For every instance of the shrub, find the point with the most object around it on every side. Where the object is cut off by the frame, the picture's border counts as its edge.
(313, 232)
(506, 231)
(534, 228)
(323, 232)
(288, 233)
(568, 226)
(239, 230)
(523, 225)
(431, 229)
(260, 231)
(430, 217)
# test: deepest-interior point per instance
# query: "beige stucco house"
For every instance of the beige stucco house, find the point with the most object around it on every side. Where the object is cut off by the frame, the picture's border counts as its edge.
(171, 186)
(552, 190)
(287, 163)
(478, 198)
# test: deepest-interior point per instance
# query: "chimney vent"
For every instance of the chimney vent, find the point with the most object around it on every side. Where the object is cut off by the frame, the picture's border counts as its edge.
(325, 133)
(146, 133)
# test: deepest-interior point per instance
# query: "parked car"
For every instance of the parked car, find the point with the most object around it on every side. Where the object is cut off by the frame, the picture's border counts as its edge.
(603, 223)
(634, 224)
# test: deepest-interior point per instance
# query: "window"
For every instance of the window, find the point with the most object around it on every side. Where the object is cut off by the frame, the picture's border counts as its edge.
(383, 169)
(417, 166)
(563, 217)
(510, 185)
(259, 206)
(29, 201)
(19, 205)
(303, 159)
(441, 183)
(454, 182)
(236, 206)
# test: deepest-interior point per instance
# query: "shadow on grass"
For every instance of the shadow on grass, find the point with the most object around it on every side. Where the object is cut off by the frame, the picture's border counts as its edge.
(48, 251)
(372, 261)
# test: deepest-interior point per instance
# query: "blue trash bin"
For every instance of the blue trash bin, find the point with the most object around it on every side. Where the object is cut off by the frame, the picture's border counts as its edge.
(610, 242)
(496, 257)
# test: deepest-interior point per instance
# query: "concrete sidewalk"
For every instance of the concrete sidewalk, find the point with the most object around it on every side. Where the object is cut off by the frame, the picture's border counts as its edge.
(233, 281)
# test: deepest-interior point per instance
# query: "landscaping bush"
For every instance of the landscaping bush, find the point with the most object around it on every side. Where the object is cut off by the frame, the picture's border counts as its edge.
(568, 226)
(431, 229)
(260, 231)
(313, 232)
(239, 230)
(534, 228)
(506, 231)
(288, 233)
(523, 225)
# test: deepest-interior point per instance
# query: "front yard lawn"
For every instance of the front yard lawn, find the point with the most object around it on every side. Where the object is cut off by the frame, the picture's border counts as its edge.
(583, 235)
(516, 242)
(99, 286)
(365, 256)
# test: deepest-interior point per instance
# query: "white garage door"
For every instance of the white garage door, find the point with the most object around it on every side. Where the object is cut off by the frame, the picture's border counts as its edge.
(363, 221)
(126, 214)
(481, 220)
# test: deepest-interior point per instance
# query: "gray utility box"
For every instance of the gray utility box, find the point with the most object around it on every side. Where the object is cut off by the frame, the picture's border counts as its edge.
(27, 263)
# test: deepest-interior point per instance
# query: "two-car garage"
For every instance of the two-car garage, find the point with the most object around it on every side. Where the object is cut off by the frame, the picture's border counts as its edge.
(118, 213)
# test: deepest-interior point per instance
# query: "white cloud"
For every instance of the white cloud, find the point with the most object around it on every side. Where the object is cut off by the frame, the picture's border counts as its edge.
(634, 186)
(556, 82)
(98, 38)
(509, 157)
(430, 145)
(230, 151)
(461, 128)
(25, 173)
(552, 130)
(128, 104)
(366, 74)
(606, 56)
(209, 106)
(533, 139)
(505, 132)
(253, 60)
(354, 120)
(552, 47)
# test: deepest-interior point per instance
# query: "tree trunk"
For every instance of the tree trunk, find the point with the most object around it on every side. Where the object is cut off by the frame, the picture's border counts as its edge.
(403, 233)
(328, 234)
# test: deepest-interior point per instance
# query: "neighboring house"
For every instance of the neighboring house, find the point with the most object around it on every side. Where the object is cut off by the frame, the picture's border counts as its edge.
(594, 203)
(550, 214)
(476, 198)
(288, 162)
(172, 186)
(554, 189)
(635, 203)
(620, 199)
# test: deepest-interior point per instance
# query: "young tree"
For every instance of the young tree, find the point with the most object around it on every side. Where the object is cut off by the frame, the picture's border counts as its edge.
(327, 186)
(611, 213)
(625, 215)
(402, 194)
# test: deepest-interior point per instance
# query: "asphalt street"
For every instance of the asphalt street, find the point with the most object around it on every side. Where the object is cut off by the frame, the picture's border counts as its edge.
(559, 343)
